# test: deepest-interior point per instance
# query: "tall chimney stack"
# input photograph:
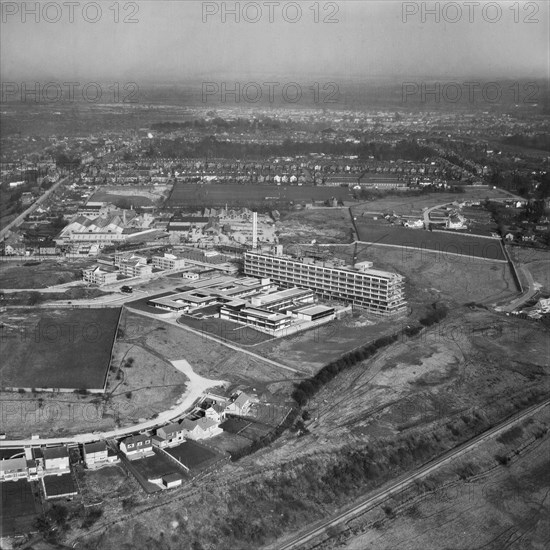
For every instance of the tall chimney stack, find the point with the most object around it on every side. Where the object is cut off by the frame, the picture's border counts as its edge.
(254, 230)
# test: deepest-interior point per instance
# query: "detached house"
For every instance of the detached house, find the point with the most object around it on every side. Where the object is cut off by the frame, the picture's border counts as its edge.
(98, 454)
(137, 446)
(56, 460)
(169, 435)
(241, 405)
(201, 429)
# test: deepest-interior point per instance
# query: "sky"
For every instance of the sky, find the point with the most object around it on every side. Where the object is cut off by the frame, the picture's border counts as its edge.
(179, 40)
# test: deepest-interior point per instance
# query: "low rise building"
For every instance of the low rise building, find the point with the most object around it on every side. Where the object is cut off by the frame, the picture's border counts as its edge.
(137, 446)
(56, 460)
(98, 454)
(99, 276)
(168, 261)
(169, 435)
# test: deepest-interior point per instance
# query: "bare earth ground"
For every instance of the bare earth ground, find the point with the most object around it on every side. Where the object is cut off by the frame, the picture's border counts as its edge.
(407, 404)
(497, 507)
(326, 225)
(537, 261)
(432, 276)
(314, 348)
(208, 358)
(412, 206)
(35, 274)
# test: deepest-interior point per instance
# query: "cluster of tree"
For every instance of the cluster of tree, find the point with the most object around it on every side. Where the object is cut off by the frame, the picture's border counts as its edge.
(537, 141)
(212, 147)
(309, 387)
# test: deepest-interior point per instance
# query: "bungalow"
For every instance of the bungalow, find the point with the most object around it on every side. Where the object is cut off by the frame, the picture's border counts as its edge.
(203, 428)
(137, 446)
(169, 435)
(56, 460)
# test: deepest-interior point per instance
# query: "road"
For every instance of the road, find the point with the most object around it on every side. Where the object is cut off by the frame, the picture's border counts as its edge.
(378, 497)
(526, 296)
(203, 334)
(19, 220)
(196, 386)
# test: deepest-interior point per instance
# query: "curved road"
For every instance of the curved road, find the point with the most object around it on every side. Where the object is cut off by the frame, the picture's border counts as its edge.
(383, 494)
(196, 386)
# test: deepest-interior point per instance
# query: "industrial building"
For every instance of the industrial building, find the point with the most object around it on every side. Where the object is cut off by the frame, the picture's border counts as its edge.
(377, 291)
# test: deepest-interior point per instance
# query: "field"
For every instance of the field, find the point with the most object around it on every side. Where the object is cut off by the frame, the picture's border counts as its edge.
(66, 349)
(19, 508)
(195, 456)
(130, 196)
(226, 330)
(537, 262)
(414, 205)
(246, 428)
(196, 195)
(208, 358)
(41, 274)
(442, 242)
(432, 277)
(324, 225)
(494, 507)
(373, 422)
(314, 348)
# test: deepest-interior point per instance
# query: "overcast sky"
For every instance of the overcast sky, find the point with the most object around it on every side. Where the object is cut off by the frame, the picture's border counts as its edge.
(174, 40)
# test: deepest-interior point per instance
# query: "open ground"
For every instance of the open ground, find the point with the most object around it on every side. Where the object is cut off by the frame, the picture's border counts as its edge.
(37, 274)
(196, 195)
(405, 405)
(65, 349)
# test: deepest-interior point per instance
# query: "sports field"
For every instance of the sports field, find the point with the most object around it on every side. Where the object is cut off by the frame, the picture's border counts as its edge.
(64, 349)
(442, 242)
(195, 195)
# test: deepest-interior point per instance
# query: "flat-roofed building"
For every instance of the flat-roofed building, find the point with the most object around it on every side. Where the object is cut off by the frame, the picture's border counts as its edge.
(13, 468)
(380, 292)
(238, 311)
(168, 261)
(99, 276)
(131, 268)
(283, 299)
(314, 313)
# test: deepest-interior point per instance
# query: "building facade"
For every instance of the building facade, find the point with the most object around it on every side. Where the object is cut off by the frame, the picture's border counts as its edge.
(380, 292)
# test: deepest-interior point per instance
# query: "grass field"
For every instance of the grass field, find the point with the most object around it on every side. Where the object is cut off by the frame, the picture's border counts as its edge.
(195, 456)
(66, 349)
(36, 274)
(208, 358)
(126, 196)
(58, 486)
(193, 195)
(443, 243)
(19, 509)
(245, 428)
(413, 206)
(226, 330)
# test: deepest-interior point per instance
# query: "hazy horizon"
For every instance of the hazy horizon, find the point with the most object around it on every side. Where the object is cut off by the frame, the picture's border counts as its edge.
(169, 42)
